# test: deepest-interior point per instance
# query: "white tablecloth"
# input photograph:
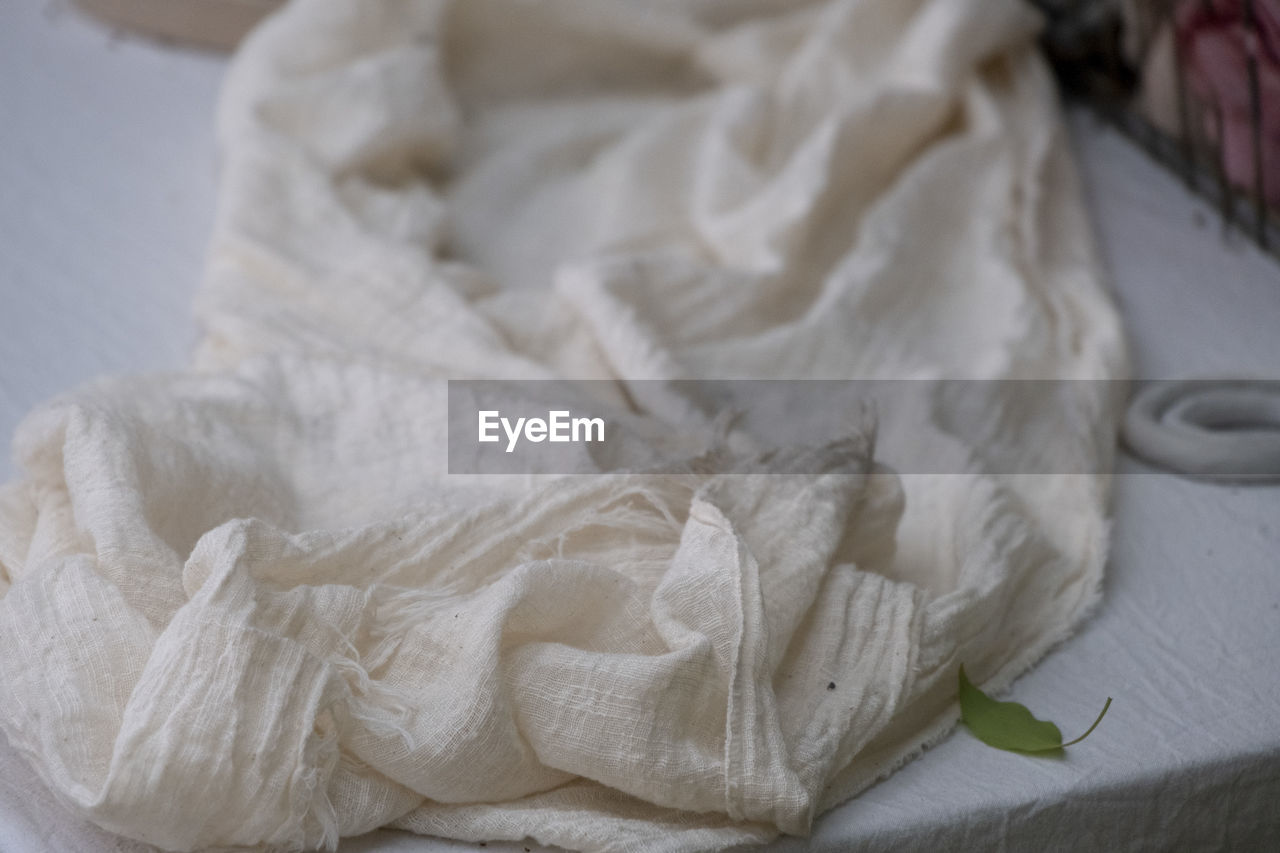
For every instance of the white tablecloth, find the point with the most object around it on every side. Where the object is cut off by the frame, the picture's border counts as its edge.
(107, 179)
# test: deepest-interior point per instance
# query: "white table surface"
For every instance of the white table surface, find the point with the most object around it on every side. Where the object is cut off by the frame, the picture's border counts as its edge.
(107, 189)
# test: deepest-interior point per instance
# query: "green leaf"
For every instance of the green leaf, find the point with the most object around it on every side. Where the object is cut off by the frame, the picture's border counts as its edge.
(1008, 725)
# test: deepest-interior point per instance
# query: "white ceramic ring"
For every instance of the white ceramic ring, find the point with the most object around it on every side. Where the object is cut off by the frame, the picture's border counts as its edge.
(1211, 429)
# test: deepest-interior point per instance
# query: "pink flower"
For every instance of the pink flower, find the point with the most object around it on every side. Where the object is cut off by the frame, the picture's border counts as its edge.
(1216, 44)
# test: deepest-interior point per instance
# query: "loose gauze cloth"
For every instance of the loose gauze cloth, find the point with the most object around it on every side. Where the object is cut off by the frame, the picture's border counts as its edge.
(246, 603)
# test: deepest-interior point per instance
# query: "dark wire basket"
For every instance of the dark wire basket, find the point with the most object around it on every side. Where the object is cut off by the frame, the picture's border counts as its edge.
(1195, 83)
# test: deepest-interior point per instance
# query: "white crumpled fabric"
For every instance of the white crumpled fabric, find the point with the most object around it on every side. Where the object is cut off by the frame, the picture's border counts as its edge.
(245, 604)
